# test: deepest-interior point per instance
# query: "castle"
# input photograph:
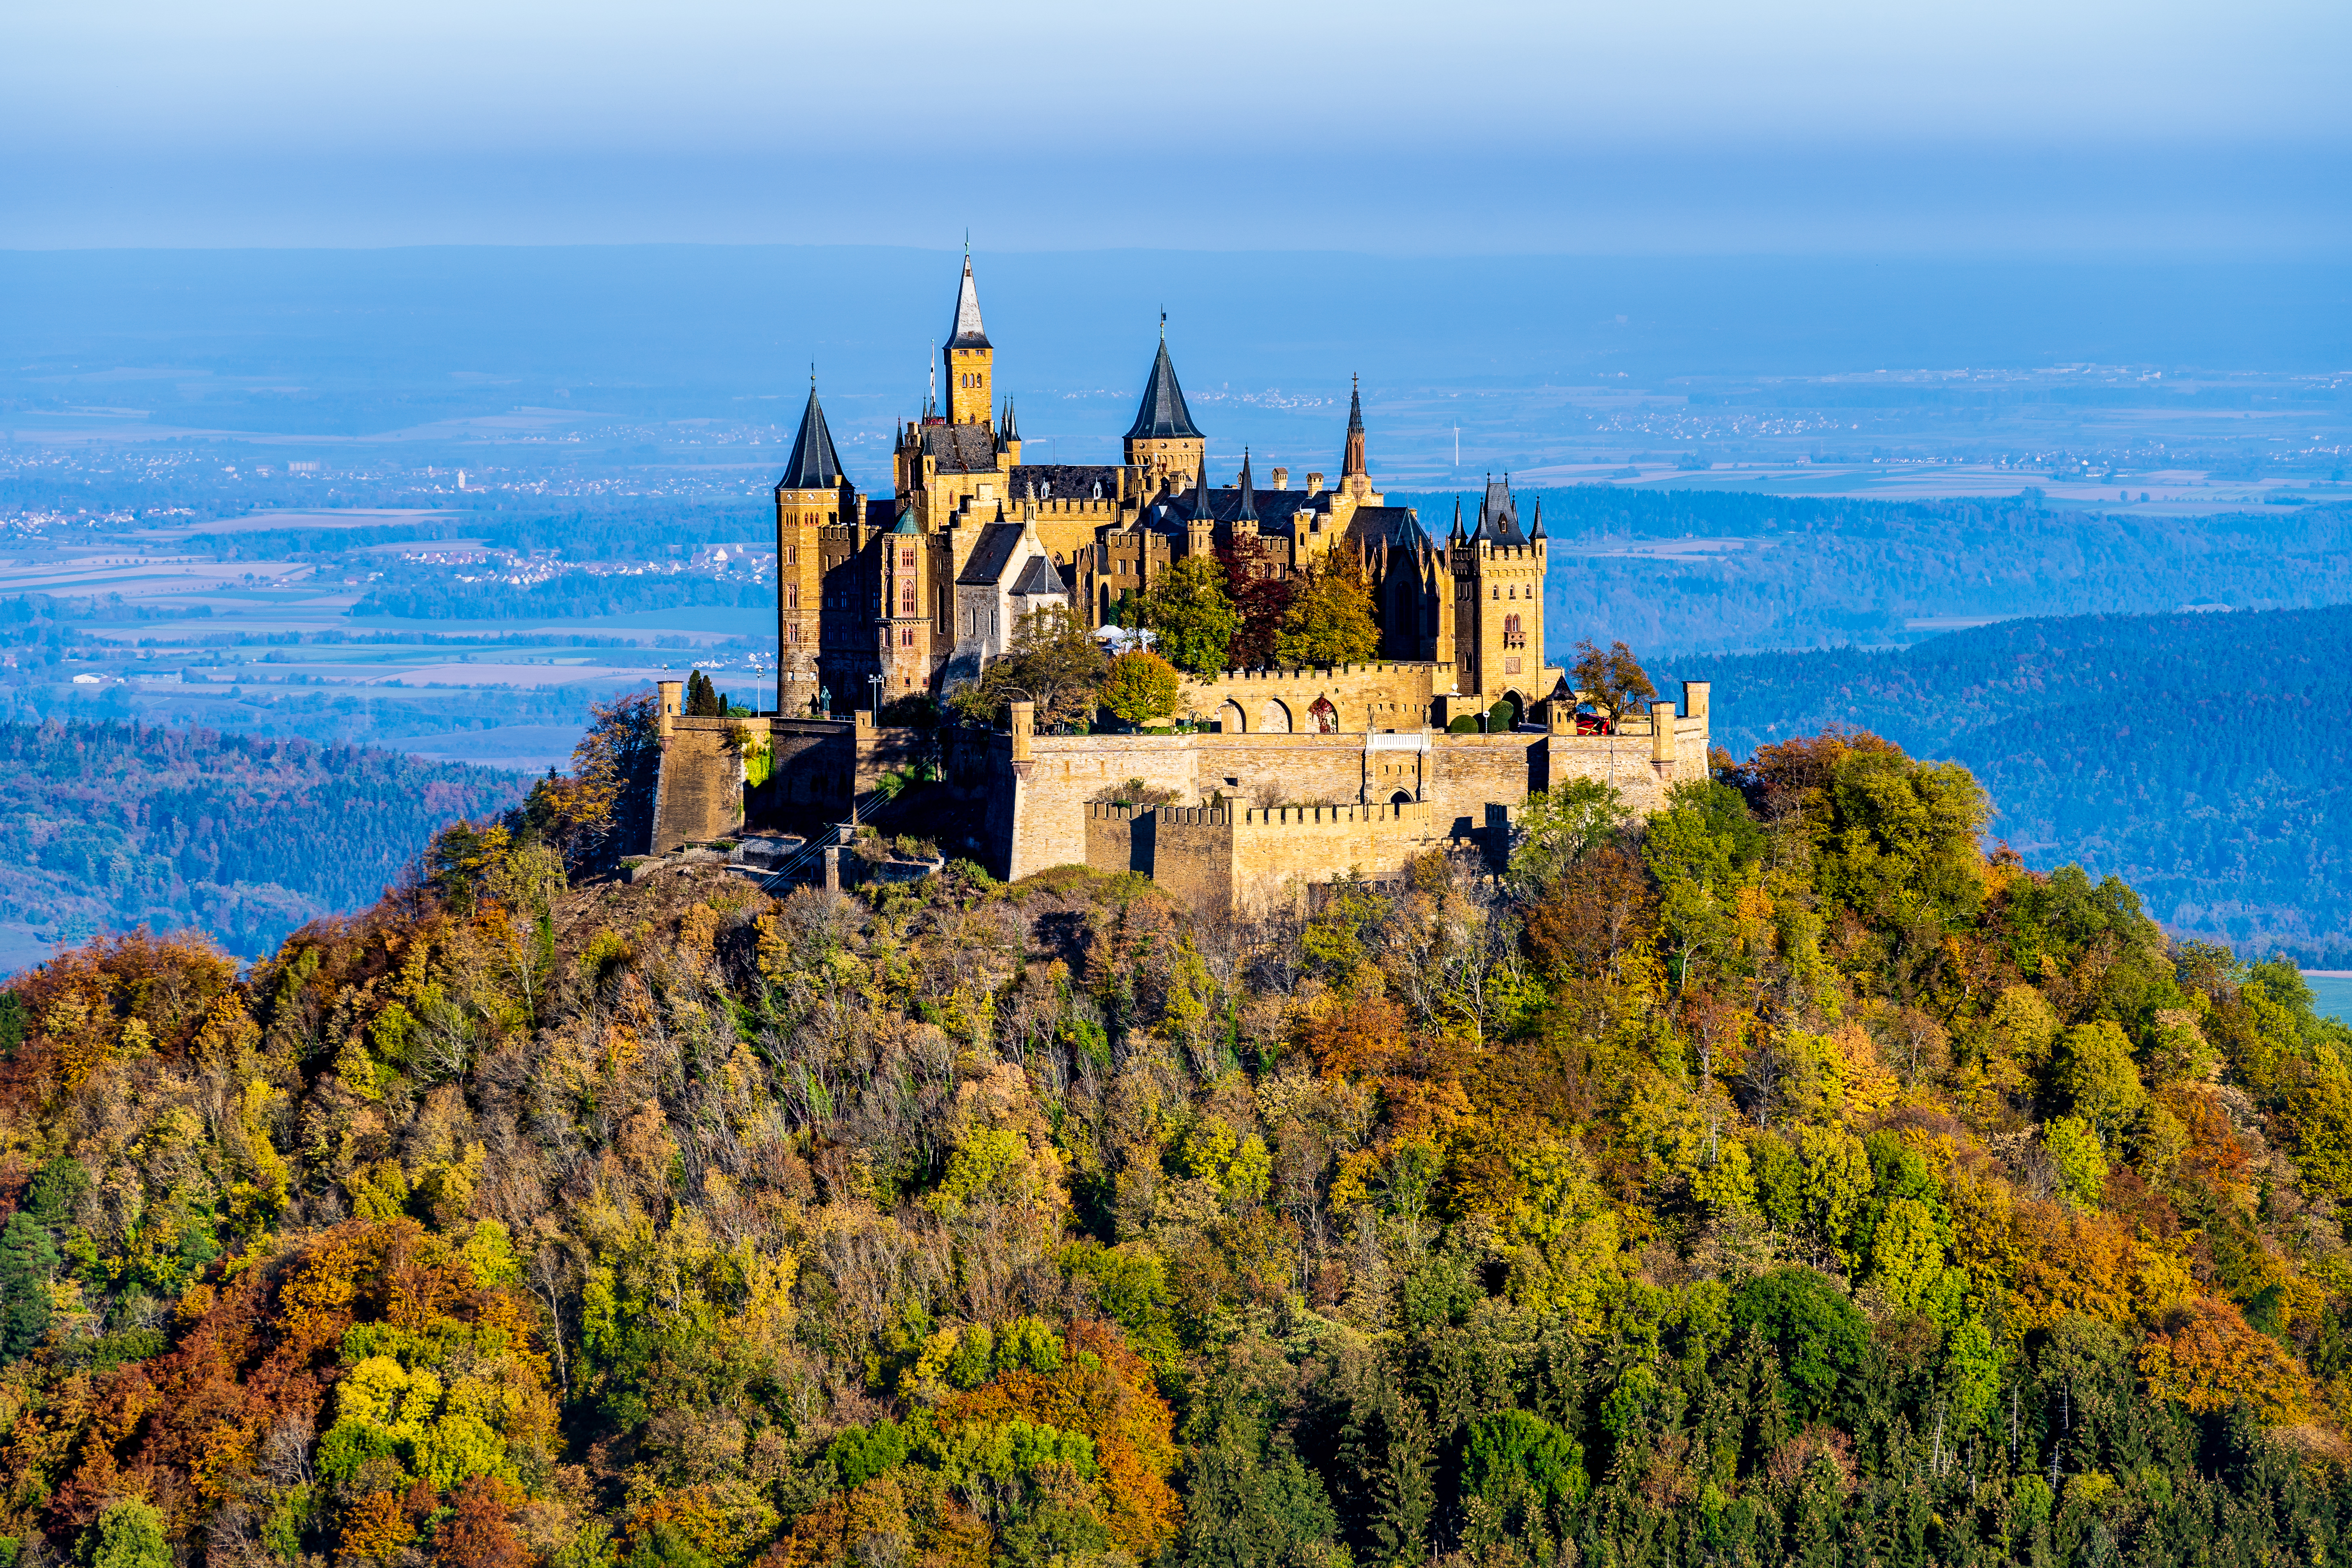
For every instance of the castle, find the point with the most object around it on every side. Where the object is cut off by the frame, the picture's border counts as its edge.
(904, 594)
(1285, 778)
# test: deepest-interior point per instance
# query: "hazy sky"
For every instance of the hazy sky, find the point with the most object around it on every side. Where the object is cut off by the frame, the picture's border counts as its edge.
(2217, 127)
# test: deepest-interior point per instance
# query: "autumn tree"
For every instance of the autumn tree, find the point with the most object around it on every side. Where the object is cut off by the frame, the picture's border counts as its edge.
(605, 809)
(1330, 621)
(1261, 589)
(1054, 661)
(1141, 687)
(1190, 616)
(1614, 681)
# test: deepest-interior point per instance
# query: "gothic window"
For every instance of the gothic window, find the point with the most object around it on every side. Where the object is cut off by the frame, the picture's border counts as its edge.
(907, 599)
(907, 559)
(907, 636)
(792, 632)
(1512, 635)
(793, 596)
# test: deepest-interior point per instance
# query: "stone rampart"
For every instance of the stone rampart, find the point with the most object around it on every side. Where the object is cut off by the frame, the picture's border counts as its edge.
(1383, 696)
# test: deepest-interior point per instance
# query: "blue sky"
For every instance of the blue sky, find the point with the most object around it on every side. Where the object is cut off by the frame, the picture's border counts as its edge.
(2004, 127)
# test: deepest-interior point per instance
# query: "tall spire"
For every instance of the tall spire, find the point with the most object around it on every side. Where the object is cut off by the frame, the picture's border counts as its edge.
(1536, 532)
(1248, 489)
(813, 465)
(1456, 537)
(1351, 463)
(1161, 416)
(1012, 431)
(968, 332)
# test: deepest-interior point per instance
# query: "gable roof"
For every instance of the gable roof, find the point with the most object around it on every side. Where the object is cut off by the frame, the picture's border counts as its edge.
(1395, 526)
(984, 568)
(968, 334)
(1039, 576)
(1161, 416)
(813, 465)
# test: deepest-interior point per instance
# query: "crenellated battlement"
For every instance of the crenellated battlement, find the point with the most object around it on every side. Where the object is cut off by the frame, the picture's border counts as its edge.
(1441, 674)
(1410, 813)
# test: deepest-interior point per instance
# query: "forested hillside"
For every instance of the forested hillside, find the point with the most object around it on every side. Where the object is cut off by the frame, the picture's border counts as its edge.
(112, 826)
(1778, 1179)
(2205, 759)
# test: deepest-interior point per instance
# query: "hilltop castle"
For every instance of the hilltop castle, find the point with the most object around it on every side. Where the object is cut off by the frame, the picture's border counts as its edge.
(1287, 778)
(907, 592)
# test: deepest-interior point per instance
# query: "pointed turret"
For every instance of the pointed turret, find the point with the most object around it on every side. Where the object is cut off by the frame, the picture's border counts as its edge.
(1012, 431)
(1163, 441)
(813, 465)
(1249, 491)
(1204, 510)
(1455, 537)
(1536, 532)
(1162, 417)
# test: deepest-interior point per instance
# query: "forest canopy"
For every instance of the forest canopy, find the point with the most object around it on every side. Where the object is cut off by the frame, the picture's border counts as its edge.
(1777, 1177)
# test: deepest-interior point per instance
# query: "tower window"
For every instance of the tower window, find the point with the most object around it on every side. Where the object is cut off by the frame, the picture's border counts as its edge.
(907, 636)
(907, 600)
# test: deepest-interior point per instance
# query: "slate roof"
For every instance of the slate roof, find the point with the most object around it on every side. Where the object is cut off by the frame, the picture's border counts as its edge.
(1063, 481)
(1395, 526)
(1277, 511)
(960, 448)
(1039, 576)
(1498, 515)
(986, 565)
(1162, 417)
(813, 465)
(967, 333)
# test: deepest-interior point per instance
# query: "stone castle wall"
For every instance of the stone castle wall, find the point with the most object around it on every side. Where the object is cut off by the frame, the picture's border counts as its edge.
(1251, 818)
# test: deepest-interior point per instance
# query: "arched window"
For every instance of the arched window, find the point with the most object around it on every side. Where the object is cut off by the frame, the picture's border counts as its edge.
(1325, 717)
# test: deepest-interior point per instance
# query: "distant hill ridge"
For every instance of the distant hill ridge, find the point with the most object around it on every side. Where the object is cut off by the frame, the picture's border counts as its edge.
(114, 825)
(2204, 758)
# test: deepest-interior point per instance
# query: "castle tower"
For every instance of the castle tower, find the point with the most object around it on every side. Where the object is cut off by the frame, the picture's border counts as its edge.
(813, 496)
(1499, 572)
(1355, 482)
(903, 631)
(1163, 441)
(971, 359)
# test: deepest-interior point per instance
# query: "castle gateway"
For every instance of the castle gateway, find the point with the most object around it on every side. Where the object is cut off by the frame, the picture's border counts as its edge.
(1294, 776)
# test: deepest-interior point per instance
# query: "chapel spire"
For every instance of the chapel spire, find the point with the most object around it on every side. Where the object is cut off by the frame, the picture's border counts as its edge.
(1351, 464)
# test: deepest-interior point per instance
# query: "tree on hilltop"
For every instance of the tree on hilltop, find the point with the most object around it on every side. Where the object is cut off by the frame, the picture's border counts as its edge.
(1613, 682)
(1331, 622)
(1053, 662)
(1261, 590)
(1141, 686)
(1192, 618)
